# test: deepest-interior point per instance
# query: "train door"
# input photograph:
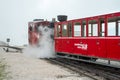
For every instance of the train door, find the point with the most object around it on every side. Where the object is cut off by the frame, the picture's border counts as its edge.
(77, 35)
(113, 41)
(71, 40)
(31, 33)
(58, 35)
(96, 35)
(80, 44)
(67, 37)
(65, 40)
(92, 37)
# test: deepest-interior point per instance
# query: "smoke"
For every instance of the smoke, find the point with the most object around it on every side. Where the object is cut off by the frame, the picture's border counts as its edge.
(45, 47)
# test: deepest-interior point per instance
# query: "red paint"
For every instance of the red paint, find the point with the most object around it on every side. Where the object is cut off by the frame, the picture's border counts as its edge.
(113, 48)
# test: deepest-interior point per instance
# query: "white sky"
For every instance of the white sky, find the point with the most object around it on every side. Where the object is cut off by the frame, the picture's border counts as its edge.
(15, 14)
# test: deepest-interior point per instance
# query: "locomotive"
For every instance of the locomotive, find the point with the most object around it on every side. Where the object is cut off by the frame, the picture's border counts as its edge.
(87, 38)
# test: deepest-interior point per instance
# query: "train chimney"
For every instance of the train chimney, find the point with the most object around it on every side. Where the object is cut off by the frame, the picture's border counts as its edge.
(38, 20)
(62, 18)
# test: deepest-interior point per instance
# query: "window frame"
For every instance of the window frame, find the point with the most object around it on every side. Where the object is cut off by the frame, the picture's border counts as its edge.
(91, 26)
(62, 25)
(74, 28)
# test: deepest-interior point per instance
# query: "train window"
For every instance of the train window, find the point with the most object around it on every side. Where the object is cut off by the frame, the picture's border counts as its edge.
(70, 29)
(30, 28)
(58, 32)
(102, 27)
(119, 27)
(64, 30)
(103, 30)
(92, 28)
(113, 26)
(111, 29)
(77, 29)
(83, 29)
(37, 28)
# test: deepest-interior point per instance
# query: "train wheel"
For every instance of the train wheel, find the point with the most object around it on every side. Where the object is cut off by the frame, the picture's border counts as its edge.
(90, 59)
(93, 59)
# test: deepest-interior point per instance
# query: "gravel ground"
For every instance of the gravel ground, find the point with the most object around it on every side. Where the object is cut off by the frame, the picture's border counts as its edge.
(26, 68)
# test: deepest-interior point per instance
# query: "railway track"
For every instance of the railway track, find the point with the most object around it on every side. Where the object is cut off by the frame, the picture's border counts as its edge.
(5, 48)
(94, 71)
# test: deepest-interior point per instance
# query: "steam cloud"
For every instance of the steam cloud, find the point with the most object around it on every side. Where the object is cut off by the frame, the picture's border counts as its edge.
(45, 47)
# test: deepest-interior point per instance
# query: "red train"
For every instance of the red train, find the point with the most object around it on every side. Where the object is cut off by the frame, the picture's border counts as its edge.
(85, 38)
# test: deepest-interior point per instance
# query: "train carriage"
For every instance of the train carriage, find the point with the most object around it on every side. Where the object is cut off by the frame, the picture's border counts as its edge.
(89, 38)
(34, 33)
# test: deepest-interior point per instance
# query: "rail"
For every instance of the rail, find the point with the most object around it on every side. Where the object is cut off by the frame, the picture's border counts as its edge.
(93, 71)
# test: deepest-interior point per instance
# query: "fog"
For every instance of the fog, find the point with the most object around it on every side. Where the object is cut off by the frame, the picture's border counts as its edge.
(45, 46)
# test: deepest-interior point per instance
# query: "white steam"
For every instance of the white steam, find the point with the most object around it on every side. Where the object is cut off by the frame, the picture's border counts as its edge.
(45, 47)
